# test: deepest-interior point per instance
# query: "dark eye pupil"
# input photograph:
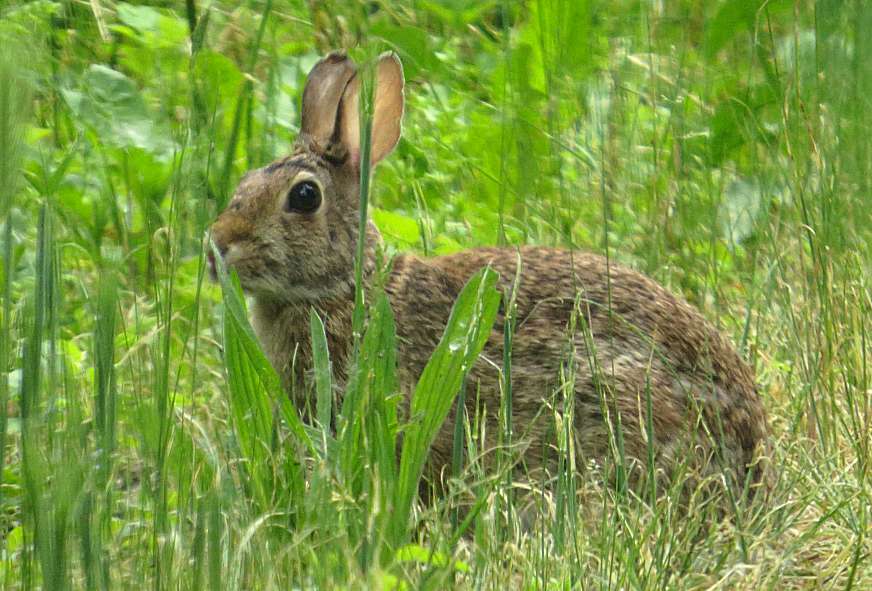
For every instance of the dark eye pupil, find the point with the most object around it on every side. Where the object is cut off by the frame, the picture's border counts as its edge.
(304, 196)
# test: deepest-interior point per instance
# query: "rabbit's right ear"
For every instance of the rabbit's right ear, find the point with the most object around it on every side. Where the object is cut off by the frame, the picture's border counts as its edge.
(321, 96)
(387, 116)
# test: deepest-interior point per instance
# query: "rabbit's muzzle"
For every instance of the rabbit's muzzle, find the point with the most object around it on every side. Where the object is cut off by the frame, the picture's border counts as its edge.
(227, 231)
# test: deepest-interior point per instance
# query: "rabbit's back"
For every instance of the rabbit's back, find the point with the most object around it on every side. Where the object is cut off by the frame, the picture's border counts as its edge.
(627, 343)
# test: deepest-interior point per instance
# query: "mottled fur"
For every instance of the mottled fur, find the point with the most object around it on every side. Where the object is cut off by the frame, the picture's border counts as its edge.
(632, 339)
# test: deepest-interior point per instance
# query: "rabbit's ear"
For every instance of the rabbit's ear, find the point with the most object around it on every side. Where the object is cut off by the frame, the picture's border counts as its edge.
(387, 111)
(321, 97)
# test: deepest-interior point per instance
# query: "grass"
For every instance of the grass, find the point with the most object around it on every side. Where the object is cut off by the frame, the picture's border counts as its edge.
(721, 148)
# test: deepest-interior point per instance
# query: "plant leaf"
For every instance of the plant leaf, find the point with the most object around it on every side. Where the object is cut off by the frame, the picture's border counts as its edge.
(468, 329)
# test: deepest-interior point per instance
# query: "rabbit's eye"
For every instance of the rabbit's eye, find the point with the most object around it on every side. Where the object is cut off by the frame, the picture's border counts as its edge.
(304, 197)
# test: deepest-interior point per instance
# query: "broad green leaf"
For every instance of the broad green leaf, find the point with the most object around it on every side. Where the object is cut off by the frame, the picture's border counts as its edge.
(142, 18)
(413, 45)
(402, 230)
(249, 385)
(466, 333)
(152, 28)
(220, 81)
(110, 104)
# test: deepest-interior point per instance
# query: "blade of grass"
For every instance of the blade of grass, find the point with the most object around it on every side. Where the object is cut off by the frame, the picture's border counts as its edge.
(367, 92)
(368, 430)
(321, 363)
(245, 96)
(14, 111)
(51, 480)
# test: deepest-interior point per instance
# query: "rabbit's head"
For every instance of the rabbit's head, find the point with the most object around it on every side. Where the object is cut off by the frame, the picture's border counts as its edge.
(290, 230)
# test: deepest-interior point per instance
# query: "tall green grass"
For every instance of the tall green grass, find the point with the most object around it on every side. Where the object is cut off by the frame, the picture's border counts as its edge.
(144, 439)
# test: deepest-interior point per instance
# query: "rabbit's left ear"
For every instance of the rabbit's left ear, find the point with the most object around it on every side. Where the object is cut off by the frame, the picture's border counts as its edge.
(387, 111)
(321, 96)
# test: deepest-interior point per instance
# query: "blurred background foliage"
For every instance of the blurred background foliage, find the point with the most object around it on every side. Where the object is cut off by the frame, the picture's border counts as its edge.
(568, 123)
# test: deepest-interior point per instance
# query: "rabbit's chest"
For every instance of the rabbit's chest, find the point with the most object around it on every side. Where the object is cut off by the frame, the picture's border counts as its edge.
(286, 340)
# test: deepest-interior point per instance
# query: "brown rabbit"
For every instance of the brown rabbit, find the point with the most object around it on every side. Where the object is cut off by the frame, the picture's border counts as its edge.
(291, 230)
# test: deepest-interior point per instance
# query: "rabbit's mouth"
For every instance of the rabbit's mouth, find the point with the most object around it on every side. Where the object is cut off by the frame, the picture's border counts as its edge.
(213, 270)
(212, 260)
(214, 251)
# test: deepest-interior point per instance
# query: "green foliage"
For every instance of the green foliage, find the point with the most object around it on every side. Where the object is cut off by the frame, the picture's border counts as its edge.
(110, 106)
(720, 147)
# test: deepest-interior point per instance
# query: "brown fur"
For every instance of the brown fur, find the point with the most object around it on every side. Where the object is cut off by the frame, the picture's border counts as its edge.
(633, 339)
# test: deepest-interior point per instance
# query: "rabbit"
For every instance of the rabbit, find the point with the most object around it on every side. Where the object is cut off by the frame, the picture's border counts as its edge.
(290, 231)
